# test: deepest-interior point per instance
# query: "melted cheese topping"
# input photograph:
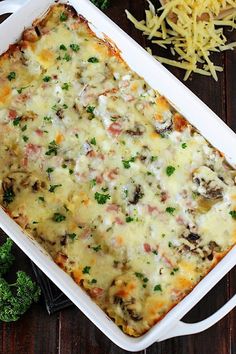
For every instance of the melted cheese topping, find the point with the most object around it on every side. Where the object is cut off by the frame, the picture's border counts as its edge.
(125, 195)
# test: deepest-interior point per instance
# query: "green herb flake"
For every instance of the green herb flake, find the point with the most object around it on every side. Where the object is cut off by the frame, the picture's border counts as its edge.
(47, 119)
(126, 163)
(41, 199)
(66, 86)
(8, 195)
(174, 271)
(97, 248)
(102, 198)
(155, 252)
(25, 138)
(47, 78)
(75, 47)
(170, 244)
(50, 170)
(62, 47)
(57, 217)
(23, 129)
(71, 171)
(67, 57)
(153, 158)
(170, 170)
(93, 60)
(139, 275)
(72, 236)
(11, 76)
(157, 287)
(233, 214)
(54, 187)
(93, 281)
(86, 270)
(52, 149)
(93, 141)
(63, 17)
(170, 210)
(16, 121)
(129, 219)
(93, 182)
(184, 145)
(145, 280)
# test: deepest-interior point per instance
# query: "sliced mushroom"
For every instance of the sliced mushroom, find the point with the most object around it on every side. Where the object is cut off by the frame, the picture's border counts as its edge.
(163, 122)
(137, 130)
(136, 194)
(207, 183)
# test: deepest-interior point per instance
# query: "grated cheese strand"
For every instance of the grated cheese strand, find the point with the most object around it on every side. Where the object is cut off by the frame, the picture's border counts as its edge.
(192, 30)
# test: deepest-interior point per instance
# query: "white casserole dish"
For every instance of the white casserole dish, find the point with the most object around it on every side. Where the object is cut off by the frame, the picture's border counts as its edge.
(192, 108)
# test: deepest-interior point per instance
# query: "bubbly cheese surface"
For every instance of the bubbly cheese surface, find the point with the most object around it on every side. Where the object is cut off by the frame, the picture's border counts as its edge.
(126, 196)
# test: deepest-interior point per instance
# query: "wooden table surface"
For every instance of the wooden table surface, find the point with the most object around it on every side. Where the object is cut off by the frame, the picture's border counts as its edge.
(69, 331)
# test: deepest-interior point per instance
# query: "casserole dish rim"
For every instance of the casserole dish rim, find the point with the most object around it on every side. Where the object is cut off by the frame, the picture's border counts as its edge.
(75, 293)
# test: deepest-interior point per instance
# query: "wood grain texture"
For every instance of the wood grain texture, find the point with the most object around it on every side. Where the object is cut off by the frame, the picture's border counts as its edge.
(70, 332)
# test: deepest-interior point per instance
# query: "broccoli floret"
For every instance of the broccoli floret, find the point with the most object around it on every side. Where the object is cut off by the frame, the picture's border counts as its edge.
(15, 299)
(102, 4)
(6, 258)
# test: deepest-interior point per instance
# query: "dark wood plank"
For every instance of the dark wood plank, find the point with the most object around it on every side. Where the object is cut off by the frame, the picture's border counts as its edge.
(230, 60)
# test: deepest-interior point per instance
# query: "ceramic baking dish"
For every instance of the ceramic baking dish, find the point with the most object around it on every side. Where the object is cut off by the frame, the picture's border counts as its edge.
(198, 114)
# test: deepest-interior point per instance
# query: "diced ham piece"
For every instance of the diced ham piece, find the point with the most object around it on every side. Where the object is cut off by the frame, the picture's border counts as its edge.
(12, 114)
(147, 247)
(151, 209)
(39, 132)
(113, 173)
(115, 129)
(96, 292)
(113, 207)
(119, 221)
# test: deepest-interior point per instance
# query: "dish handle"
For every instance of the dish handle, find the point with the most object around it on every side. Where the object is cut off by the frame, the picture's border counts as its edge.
(10, 6)
(182, 328)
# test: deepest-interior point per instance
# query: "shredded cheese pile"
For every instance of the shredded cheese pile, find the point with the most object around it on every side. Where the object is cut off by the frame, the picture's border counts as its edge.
(193, 29)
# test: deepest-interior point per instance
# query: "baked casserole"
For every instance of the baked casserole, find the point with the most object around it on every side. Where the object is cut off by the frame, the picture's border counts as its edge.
(126, 196)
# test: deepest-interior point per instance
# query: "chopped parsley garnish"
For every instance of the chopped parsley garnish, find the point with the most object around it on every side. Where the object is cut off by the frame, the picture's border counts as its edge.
(21, 89)
(129, 219)
(170, 210)
(11, 76)
(102, 198)
(93, 182)
(126, 192)
(145, 280)
(233, 214)
(72, 236)
(25, 138)
(67, 57)
(155, 252)
(16, 121)
(184, 145)
(47, 119)
(139, 275)
(170, 170)
(47, 78)
(50, 170)
(52, 149)
(90, 109)
(65, 86)
(65, 106)
(53, 187)
(153, 158)
(93, 60)
(23, 129)
(86, 270)
(64, 165)
(8, 195)
(170, 244)
(126, 163)
(157, 287)
(97, 248)
(105, 189)
(41, 199)
(75, 47)
(57, 217)
(174, 271)
(71, 171)
(63, 17)
(93, 281)
(62, 47)
(93, 141)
